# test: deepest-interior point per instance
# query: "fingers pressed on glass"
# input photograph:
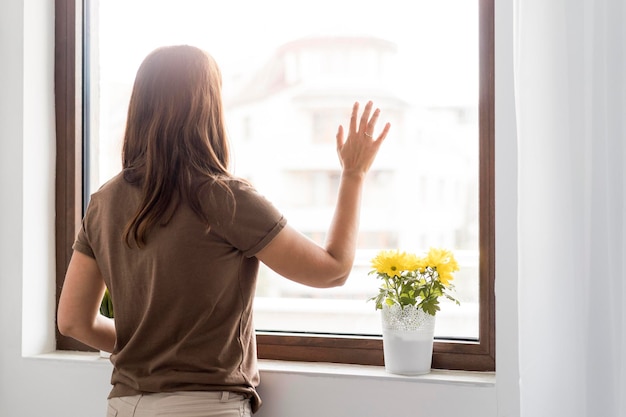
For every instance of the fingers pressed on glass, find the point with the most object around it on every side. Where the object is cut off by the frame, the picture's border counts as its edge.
(355, 113)
(365, 116)
(372, 123)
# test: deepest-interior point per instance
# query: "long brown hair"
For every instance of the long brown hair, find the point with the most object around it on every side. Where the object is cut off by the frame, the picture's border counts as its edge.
(175, 137)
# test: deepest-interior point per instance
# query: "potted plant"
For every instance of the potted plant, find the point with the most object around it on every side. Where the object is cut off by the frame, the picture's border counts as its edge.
(409, 294)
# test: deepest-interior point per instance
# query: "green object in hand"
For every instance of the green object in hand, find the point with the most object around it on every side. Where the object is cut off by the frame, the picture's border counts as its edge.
(106, 307)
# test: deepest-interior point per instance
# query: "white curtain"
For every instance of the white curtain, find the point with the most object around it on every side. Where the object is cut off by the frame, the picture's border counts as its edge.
(570, 87)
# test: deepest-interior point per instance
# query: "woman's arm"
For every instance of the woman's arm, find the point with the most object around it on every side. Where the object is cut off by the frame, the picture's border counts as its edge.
(293, 255)
(78, 313)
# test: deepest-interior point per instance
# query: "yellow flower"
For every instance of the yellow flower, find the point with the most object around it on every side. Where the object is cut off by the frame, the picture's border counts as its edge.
(409, 280)
(414, 263)
(391, 262)
(443, 260)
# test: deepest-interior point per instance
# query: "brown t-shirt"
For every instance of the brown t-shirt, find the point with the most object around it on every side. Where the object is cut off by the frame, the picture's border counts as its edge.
(183, 302)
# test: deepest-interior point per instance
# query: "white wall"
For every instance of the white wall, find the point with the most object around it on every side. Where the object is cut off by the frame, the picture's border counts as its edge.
(39, 385)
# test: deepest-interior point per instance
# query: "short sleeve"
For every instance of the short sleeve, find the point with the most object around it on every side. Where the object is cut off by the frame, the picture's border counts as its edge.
(82, 244)
(251, 222)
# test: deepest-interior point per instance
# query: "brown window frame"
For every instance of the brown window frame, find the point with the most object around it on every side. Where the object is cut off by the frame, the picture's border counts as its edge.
(448, 354)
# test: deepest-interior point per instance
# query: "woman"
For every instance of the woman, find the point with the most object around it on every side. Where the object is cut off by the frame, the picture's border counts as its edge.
(177, 240)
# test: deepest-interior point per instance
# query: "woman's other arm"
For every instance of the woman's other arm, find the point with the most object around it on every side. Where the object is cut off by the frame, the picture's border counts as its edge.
(293, 255)
(78, 313)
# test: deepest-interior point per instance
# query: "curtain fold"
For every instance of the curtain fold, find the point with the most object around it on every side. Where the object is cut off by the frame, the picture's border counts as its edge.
(570, 93)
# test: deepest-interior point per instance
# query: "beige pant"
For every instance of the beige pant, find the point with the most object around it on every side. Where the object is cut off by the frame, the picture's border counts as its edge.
(180, 404)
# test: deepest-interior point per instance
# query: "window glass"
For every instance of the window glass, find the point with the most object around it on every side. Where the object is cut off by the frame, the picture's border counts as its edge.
(291, 73)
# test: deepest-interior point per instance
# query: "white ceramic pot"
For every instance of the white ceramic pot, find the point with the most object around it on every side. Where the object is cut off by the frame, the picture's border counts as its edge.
(408, 335)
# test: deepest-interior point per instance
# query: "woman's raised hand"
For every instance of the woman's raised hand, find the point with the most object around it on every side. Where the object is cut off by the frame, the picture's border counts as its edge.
(358, 150)
(295, 256)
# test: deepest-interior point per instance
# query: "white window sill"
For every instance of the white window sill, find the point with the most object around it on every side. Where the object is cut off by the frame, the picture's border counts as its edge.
(476, 379)
(72, 356)
(436, 376)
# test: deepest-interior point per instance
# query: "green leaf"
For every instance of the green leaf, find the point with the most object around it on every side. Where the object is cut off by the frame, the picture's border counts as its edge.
(106, 306)
(430, 306)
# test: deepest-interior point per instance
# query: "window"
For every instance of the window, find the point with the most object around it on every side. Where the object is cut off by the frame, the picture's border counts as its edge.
(311, 81)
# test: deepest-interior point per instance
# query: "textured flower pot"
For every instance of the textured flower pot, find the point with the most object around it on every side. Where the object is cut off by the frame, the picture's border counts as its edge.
(408, 335)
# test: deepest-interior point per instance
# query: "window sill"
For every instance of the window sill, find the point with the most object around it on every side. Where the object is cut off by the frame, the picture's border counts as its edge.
(72, 356)
(436, 376)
